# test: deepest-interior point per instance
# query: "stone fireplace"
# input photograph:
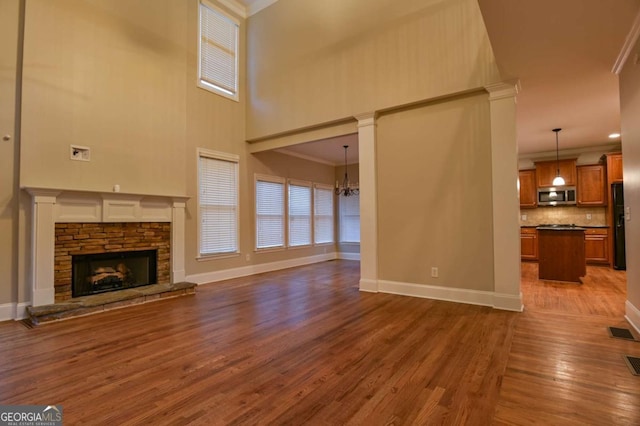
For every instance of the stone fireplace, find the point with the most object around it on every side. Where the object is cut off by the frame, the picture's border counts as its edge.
(112, 256)
(102, 272)
(109, 228)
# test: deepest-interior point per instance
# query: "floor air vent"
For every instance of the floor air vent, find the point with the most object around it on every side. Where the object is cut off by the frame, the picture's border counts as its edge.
(620, 333)
(633, 363)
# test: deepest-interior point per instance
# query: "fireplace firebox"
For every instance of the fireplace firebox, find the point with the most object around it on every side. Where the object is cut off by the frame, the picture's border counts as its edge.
(102, 272)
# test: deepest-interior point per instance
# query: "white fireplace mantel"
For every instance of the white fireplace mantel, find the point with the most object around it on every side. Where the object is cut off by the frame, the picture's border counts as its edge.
(51, 206)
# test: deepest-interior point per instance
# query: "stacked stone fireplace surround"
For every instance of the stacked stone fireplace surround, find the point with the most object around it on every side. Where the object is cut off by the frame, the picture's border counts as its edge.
(92, 238)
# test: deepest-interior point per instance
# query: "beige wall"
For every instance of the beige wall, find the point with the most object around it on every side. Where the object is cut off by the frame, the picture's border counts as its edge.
(434, 194)
(9, 31)
(630, 111)
(122, 80)
(318, 61)
(110, 77)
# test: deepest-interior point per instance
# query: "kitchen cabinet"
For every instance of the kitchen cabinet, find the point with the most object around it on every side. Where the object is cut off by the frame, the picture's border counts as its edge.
(596, 245)
(614, 168)
(561, 254)
(528, 244)
(546, 172)
(591, 186)
(528, 189)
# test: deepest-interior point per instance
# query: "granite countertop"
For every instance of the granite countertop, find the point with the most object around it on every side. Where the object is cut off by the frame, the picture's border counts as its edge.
(581, 226)
(560, 228)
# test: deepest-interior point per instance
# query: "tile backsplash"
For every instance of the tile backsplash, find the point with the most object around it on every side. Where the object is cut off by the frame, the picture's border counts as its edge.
(563, 215)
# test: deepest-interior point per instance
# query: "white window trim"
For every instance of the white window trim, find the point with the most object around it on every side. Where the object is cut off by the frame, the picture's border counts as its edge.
(274, 179)
(333, 216)
(309, 185)
(218, 155)
(203, 84)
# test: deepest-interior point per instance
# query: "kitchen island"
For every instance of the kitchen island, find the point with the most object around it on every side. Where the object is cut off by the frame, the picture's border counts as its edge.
(561, 253)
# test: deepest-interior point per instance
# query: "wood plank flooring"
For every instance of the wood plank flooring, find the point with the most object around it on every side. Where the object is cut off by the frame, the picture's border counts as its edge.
(304, 346)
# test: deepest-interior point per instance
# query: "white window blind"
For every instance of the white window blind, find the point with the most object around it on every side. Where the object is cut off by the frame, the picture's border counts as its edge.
(323, 214)
(218, 54)
(299, 215)
(218, 200)
(350, 219)
(269, 214)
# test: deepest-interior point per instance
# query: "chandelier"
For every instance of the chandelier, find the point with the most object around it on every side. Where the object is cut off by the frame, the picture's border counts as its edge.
(347, 188)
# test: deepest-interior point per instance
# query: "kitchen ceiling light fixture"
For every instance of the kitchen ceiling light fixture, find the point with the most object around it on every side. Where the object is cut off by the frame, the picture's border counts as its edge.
(347, 188)
(558, 180)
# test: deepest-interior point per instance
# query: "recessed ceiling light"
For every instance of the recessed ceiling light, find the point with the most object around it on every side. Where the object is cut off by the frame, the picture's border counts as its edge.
(614, 135)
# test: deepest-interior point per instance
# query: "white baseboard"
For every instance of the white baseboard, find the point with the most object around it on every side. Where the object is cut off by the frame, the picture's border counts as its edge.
(13, 311)
(632, 314)
(369, 286)
(7, 311)
(349, 256)
(459, 295)
(508, 302)
(449, 294)
(245, 271)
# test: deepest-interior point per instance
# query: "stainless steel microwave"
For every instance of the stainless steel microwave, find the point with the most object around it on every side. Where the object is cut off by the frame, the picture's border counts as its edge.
(558, 196)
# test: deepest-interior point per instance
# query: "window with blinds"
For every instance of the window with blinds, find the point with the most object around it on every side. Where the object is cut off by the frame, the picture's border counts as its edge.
(218, 202)
(269, 212)
(323, 214)
(350, 219)
(218, 51)
(299, 214)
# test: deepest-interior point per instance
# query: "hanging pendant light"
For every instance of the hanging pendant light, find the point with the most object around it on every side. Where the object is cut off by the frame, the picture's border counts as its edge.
(558, 180)
(347, 189)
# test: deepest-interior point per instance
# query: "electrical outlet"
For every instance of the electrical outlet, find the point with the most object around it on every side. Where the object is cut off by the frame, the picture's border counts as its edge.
(524, 217)
(247, 257)
(79, 153)
(434, 272)
(588, 216)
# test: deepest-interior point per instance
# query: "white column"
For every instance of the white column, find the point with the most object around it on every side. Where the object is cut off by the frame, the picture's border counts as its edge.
(178, 273)
(43, 247)
(368, 203)
(506, 207)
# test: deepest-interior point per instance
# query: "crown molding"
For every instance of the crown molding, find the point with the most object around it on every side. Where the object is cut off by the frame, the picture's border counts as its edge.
(627, 47)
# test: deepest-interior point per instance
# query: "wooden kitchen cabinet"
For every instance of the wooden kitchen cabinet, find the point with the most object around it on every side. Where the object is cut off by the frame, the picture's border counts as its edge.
(546, 172)
(561, 254)
(596, 245)
(591, 186)
(614, 168)
(528, 189)
(528, 243)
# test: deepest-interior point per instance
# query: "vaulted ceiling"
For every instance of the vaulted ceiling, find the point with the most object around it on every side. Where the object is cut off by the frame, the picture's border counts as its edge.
(563, 54)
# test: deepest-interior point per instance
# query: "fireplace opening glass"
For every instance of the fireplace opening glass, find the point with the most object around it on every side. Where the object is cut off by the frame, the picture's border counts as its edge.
(102, 272)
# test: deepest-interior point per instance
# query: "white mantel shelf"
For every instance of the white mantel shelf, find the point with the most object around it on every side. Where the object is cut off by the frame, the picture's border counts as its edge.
(51, 206)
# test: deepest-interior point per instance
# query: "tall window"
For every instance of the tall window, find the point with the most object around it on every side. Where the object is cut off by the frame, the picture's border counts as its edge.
(299, 214)
(269, 212)
(350, 219)
(218, 51)
(323, 214)
(218, 202)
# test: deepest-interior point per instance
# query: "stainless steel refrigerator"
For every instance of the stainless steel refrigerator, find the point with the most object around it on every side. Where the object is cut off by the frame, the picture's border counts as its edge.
(619, 261)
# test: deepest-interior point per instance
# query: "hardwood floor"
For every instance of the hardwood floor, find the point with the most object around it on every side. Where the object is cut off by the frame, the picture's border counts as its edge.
(304, 346)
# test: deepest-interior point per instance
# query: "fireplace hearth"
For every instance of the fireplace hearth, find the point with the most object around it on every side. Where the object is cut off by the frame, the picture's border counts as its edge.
(103, 272)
